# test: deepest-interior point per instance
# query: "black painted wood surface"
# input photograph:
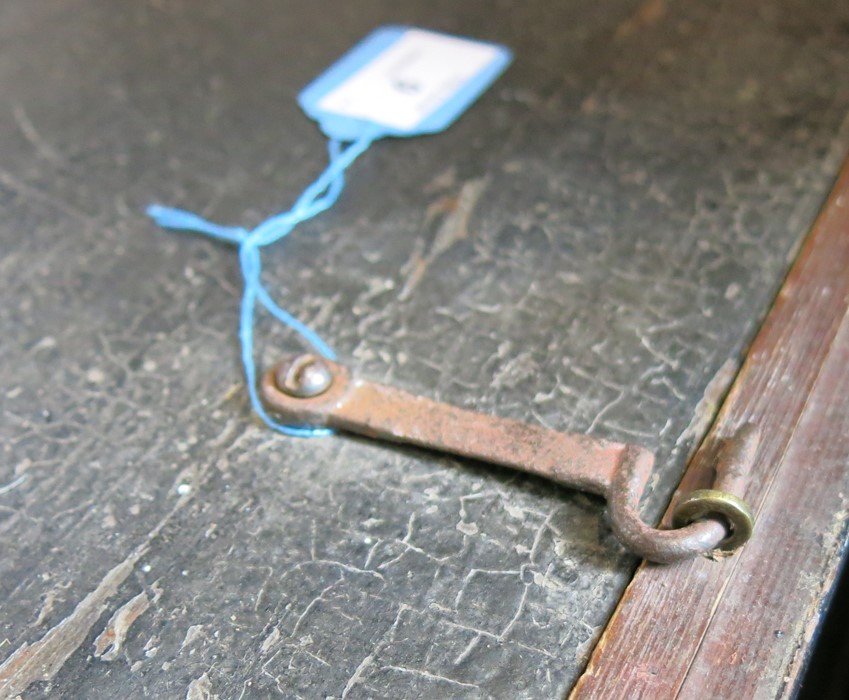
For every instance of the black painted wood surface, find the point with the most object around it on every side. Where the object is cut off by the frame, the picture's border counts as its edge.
(637, 182)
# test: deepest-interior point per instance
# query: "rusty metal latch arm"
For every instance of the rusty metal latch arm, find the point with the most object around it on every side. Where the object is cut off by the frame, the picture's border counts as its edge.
(307, 390)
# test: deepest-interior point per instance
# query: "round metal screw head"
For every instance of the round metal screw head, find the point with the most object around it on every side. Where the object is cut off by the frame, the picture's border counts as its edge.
(304, 376)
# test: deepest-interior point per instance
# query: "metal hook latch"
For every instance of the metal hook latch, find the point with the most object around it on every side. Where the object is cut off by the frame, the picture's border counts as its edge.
(308, 390)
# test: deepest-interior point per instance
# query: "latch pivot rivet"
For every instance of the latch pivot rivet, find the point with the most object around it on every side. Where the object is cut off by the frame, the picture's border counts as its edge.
(303, 376)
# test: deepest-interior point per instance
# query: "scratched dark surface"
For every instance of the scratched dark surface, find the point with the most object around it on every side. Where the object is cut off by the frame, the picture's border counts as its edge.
(635, 186)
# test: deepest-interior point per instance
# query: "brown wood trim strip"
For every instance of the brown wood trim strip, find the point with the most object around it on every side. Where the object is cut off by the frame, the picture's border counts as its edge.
(666, 635)
(758, 636)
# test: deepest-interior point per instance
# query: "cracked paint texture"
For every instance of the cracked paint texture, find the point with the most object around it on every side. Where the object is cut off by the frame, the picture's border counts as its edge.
(590, 248)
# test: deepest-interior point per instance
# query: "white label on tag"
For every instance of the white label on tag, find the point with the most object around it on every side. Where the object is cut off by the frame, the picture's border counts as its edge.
(408, 81)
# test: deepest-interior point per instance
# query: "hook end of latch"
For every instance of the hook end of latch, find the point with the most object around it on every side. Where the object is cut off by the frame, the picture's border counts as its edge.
(725, 499)
(712, 522)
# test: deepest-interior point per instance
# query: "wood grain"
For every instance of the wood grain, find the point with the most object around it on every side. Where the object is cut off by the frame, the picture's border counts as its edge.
(740, 627)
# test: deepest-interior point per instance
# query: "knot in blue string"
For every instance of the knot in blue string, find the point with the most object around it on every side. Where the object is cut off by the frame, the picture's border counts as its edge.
(316, 198)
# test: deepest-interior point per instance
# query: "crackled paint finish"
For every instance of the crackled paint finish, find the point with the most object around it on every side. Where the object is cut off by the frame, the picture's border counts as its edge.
(588, 248)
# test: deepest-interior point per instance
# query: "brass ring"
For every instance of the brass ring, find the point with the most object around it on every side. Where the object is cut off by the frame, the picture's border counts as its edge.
(706, 502)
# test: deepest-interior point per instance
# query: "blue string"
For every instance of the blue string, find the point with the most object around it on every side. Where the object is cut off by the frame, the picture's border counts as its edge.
(316, 198)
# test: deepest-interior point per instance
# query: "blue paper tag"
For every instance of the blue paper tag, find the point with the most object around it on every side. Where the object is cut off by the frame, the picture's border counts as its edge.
(402, 81)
